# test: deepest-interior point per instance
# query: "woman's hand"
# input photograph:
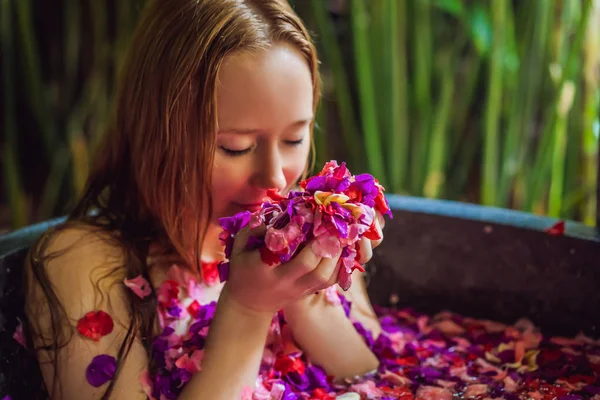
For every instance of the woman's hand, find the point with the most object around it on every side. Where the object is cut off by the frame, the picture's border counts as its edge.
(263, 288)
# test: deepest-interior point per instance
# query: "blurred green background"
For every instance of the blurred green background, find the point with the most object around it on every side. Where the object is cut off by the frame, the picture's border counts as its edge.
(485, 101)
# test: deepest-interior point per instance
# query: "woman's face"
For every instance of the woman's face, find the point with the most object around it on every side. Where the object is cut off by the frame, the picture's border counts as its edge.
(264, 107)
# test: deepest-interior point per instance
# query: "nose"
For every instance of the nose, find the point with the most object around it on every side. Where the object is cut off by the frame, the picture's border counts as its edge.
(270, 170)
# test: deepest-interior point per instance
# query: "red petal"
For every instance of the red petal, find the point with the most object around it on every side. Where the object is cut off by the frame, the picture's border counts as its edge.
(557, 229)
(358, 266)
(321, 394)
(287, 364)
(273, 194)
(268, 257)
(193, 308)
(381, 203)
(210, 272)
(354, 193)
(304, 183)
(95, 324)
(372, 233)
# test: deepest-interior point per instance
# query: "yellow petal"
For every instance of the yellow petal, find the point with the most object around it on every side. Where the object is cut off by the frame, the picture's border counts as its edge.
(354, 209)
(492, 358)
(336, 198)
(505, 346)
(321, 196)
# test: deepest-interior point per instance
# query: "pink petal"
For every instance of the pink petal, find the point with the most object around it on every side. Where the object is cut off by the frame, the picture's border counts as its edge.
(292, 232)
(139, 285)
(397, 380)
(197, 357)
(19, 336)
(475, 391)
(433, 393)
(146, 382)
(275, 241)
(332, 296)
(509, 384)
(367, 389)
(326, 246)
(449, 328)
(191, 364)
(246, 393)
(344, 279)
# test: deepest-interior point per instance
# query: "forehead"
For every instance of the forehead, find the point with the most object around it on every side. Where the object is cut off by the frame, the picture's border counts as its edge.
(272, 85)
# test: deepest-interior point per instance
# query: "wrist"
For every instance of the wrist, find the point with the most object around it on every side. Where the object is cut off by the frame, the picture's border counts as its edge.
(227, 301)
(304, 307)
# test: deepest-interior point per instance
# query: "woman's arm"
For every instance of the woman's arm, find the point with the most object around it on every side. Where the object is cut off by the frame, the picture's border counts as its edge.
(233, 351)
(328, 337)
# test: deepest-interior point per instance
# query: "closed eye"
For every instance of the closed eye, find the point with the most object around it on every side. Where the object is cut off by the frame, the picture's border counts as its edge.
(294, 142)
(235, 153)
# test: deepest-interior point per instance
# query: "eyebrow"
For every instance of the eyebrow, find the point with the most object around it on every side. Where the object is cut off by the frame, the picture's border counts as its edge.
(296, 124)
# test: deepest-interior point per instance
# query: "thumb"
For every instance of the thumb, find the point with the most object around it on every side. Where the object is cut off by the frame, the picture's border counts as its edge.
(243, 237)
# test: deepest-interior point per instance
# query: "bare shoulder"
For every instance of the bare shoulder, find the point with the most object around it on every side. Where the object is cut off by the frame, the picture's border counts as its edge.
(80, 263)
(71, 272)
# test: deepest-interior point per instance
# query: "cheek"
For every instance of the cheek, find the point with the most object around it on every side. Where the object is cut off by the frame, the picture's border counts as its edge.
(297, 164)
(226, 182)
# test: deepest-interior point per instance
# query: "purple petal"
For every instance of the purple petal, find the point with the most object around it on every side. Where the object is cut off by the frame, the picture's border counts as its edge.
(592, 389)
(235, 223)
(255, 243)
(223, 269)
(299, 381)
(317, 183)
(317, 377)
(341, 226)
(101, 370)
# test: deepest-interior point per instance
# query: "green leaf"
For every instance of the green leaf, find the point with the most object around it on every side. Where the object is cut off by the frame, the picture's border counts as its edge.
(452, 7)
(480, 29)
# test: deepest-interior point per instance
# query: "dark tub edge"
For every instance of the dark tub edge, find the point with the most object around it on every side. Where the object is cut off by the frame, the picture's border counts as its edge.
(491, 215)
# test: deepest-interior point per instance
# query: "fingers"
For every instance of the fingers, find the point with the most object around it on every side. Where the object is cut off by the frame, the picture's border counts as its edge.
(379, 224)
(241, 239)
(323, 276)
(379, 218)
(365, 249)
(304, 262)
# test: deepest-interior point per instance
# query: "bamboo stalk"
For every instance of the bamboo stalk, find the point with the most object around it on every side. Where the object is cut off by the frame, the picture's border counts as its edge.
(436, 176)
(35, 87)
(543, 161)
(464, 142)
(364, 76)
(12, 181)
(59, 167)
(525, 98)
(333, 56)
(590, 115)
(422, 69)
(72, 13)
(489, 182)
(560, 149)
(398, 135)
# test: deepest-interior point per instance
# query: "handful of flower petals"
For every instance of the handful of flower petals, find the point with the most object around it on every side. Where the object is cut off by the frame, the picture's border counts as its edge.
(332, 212)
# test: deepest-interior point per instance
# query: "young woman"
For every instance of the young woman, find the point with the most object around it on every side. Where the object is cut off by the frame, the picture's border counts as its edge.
(216, 106)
